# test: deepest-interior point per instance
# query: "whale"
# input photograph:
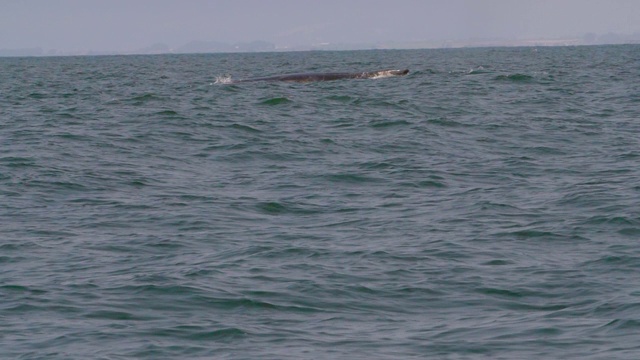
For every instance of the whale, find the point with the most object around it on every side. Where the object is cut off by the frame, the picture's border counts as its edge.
(330, 76)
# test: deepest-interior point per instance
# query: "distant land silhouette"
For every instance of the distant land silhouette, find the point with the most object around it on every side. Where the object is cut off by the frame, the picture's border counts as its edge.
(265, 46)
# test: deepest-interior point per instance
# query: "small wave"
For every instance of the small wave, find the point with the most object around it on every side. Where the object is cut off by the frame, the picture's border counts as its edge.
(341, 98)
(17, 161)
(444, 122)
(514, 78)
(275, 101)
(167, 112)
(112, 315)
(622, 324)
(349, 178)
(272, 208)
(385, 124)
(244, 128)
(143, 99)
(277, 208)
(427, 184)
(170, 114)
(217, 334)
(37, 95)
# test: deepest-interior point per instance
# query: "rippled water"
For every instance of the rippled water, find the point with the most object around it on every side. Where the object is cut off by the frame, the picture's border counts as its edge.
(487, 205)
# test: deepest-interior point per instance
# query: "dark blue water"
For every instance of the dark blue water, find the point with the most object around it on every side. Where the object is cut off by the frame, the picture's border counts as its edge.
(487, 205)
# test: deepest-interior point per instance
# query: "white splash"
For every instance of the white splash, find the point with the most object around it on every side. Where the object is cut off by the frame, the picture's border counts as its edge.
(383, 74)
(225, 79)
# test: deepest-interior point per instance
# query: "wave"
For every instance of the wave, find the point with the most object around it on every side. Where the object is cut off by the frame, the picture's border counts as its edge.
(514, 78)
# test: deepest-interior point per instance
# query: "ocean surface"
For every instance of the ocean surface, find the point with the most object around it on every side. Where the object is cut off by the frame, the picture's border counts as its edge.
(485, 206)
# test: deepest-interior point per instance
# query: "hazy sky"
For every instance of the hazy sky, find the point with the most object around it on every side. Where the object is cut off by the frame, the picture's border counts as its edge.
(125, 25)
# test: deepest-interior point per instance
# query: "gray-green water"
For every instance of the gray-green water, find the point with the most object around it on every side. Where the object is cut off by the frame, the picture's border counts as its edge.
(487, 205)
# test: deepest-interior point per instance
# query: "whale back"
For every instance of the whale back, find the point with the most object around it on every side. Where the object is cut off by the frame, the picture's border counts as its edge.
(311, 77)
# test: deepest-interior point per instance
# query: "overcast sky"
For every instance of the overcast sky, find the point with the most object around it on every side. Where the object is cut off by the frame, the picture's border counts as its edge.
(125, 25)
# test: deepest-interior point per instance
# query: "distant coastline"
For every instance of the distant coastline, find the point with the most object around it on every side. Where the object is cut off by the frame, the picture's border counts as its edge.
(265, 46)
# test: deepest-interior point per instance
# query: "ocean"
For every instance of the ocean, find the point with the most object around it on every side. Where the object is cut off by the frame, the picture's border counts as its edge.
(485, 206)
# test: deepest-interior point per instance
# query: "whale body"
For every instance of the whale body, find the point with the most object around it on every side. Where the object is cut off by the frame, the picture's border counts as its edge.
(309, 77)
